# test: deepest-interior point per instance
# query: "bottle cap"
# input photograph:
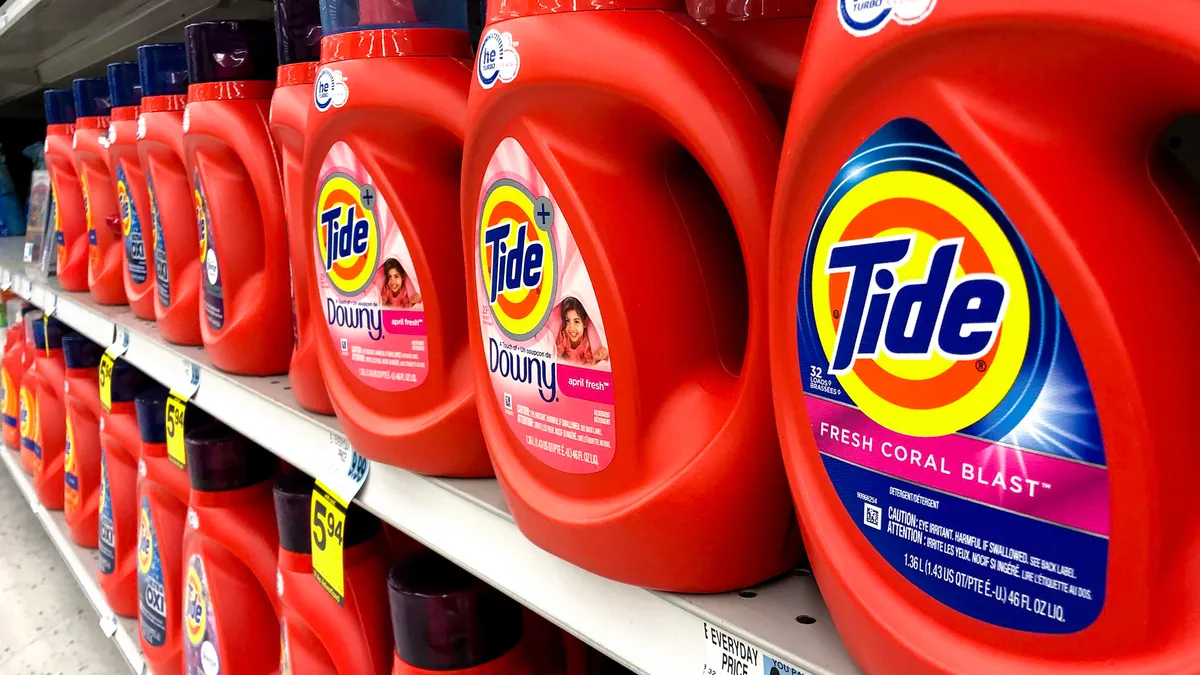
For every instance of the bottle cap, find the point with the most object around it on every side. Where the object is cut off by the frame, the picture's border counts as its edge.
(293, 514)
(297, 31)
(220, 459)
(91, 97)
(151, 407)
(60, 106)
(124, 84)
(80, 352)
(447, 619)
(127, 381)
(50, 331)
(224, 51)
(162, 69)
(338, 16)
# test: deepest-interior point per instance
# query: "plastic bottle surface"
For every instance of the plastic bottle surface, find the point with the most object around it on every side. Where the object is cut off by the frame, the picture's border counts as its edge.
(70, 220)
(389, 312)
(245, 319)
(27, 405)
(45, 456)
(129, 181)
(14, 366)
(81, 446)
(991, 466)
(106, 257)
(610, 415)
(162, 69)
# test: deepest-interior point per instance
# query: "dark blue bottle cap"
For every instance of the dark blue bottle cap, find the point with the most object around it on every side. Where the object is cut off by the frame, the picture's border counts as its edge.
(60, 106)
(151, 407)
(338, 16)
(124, 84)
(80, 352)
(220, 459)
(91, 97)
(226, 51)
(49, 332)
(293, 515)
(163, 69)
(297, 31)
(128, 382)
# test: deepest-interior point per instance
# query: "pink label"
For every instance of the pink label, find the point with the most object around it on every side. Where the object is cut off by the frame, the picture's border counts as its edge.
(370, 295)
(543, 334)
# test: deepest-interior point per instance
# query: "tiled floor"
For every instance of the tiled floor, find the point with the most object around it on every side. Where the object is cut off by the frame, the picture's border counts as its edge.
(47, 625)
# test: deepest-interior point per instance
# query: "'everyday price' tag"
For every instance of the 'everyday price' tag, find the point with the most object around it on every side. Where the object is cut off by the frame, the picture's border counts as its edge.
(328, 540)
(176, 410)
(346, 471)
(106, 367)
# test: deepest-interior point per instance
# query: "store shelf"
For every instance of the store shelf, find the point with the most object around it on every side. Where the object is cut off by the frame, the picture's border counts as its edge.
(468, 522)
(84, 565)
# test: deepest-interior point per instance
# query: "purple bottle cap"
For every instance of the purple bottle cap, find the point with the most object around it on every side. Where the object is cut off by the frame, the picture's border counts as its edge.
(80, 352)
(220, 459)
(297, 31)
(444, 618)
(60, 106)
(91, 97)
(293, 515)
(151, 407)
(226, 51)
(128, 382)
(124, 84)
(162, 69)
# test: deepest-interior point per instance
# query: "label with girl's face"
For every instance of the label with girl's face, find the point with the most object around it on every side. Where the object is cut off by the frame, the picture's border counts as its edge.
(370, 296)
(543, 337)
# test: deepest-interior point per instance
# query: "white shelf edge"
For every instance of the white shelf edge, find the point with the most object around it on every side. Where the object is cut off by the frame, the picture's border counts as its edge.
(125, 636)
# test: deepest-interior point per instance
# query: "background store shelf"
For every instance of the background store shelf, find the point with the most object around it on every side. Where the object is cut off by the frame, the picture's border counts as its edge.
(467, 521)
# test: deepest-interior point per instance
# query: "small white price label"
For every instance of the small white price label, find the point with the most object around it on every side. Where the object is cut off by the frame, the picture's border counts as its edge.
(27, 254)
(727, 654)
(50, 303)
(189, 379)
(108, 624)
(346, 471)
(120, 343)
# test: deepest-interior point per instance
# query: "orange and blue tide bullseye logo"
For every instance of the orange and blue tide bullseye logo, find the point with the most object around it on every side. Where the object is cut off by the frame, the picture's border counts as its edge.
(195, 615)
(347, 232)
(919, 302)
(145, 552)
(518, 261)
(124, 205)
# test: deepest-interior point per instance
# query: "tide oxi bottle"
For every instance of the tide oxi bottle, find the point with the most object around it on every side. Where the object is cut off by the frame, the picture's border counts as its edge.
(162, 497)
(15, 363)
(70, 221)
(81, 449)
(125, 172)
(230, 554)
(120, 443)
(238, 198)
(389, 301)
(961, 349)
(106, 256)
(297, 39)
(47, 458)
(606, 427)
(162, 70)
(317, 635)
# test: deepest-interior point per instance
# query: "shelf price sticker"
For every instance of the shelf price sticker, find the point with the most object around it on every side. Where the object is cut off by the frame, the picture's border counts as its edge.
(5, 280)
(328, 541)
(727, 654)
(108, 623)
(119, 346)
(176, 411)
(346, 471)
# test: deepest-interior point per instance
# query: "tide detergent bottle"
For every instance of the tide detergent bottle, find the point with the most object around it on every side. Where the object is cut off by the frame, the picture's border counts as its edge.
(607, 426)
(961, 346)
(389, 302)
(297, 39)
(106, 257)
(245, 324)
(162, 70)
(46, 452)
(81, 448)
(317, 635)
(14, 367)
(27, 410)
(70, 222)
(120, 443)
(230, 553)
(162, 495)
(129, 180)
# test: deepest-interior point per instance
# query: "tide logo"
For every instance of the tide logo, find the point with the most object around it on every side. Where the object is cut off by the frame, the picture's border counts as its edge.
(195, 611)
(69, 448)
(517, 257)
(347, 232)
(201, 215)
(920, 303)
(124, 205)
(145, 552)
(28, 413)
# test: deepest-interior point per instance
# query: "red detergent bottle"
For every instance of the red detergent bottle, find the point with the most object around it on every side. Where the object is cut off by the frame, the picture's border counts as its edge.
(27, 410)
(15, 364)
(81, 448)
(47, 450)
(230, 553)
(962, 348)
(298, 40)
(70, 221)
(162, 493)
(389, 285)
(318, 636)
(162, 70)
(607, 427)
(245, 320)
(106, 258)
(129, 181)
(446, 620)
(120, 444)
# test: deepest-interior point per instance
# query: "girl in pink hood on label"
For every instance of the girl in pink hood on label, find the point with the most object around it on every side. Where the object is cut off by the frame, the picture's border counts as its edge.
(395, 290)
(573, 345)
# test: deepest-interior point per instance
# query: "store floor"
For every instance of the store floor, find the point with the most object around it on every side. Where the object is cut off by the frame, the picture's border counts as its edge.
(47, 625)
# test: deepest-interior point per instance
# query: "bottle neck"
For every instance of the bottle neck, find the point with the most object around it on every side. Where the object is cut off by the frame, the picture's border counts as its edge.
(379, 43)
(499, 10)
(164, 103)
(231, 91)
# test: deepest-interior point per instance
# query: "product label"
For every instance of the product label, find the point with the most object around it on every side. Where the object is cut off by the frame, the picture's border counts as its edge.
(108, 534)
(727, 654)
(70, 475)
(10, 405)
(370, 293)
(162, 279)
(131, 227)
(543, 335)
(200, 648)
(498, 59)
(152, 615)
(946, 393)
(861, 18)
(330, 90)
(210, 271)
(31, 430)
(93, 242)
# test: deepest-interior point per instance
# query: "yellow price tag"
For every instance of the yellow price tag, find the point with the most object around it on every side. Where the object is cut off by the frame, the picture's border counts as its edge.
(328, 537)
(106, 368)
(46, 331)
(176, 409)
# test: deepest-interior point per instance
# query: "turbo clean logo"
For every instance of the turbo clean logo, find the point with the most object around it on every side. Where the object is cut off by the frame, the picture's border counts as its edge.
(145, 552)
(348, 237)
(195, 612)
(330, 90)
(519, 263)
(861, 18)
(498, 59)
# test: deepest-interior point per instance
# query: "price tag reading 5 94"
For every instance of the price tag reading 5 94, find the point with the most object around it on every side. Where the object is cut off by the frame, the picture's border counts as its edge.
(328, 541)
